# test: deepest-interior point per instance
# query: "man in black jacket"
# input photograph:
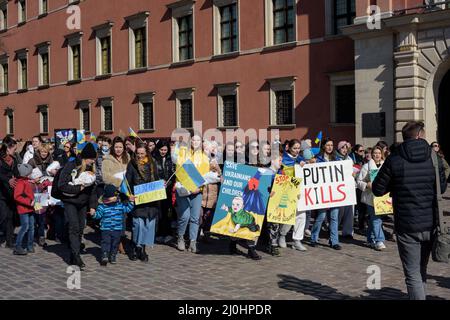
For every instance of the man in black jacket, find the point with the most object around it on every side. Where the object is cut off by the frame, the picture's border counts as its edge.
(409, 176)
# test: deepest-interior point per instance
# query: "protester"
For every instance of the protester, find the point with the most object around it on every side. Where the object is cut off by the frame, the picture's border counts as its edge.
(437, 148)
(36, 142)
(346, 212)
(66, 155)
(130, 145)
(210, 195)
(27, 146)
(409, 175)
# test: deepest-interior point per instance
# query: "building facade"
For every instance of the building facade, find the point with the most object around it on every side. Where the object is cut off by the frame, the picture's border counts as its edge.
(159, 65)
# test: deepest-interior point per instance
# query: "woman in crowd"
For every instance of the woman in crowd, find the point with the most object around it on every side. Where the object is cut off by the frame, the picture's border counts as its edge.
(78, 198)
(327, 154)
(345, 213)
(22, 152)
(67, 155)
(375, 234)
(189, 206)
(114, 167)
(140, 170)
(437, 148)
(8, 176)
(130, 145)
(166, 169)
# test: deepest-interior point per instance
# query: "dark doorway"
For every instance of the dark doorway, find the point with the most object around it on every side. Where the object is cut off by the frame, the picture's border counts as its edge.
(444, 115)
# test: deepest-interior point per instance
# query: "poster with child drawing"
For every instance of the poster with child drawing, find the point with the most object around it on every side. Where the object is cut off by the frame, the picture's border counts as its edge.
(283, 199)
(242, 202)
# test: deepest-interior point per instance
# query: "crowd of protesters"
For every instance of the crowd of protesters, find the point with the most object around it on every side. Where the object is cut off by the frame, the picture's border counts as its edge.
(86, 185)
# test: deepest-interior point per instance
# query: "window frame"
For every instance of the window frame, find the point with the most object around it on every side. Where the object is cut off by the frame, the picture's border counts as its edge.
(339, 79)
(137, 21)
(41, 110)
(74, 39)
(21, 11)
(102, 32)
(4, 60)
(349, 15)
(143, 98)
(184, 94)
(181, 9)
(82, 106)
(225, 90)
(106, 102)
(269, 24)
(9, 113)
(21, 55)
(276, 85)
(3, 17)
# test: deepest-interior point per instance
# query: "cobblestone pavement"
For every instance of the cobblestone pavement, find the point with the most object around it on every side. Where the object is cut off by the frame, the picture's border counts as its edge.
(319, 273)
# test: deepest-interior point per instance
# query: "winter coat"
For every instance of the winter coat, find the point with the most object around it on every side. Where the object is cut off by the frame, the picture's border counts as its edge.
(210, 192)
(363, 178)
(6, 173)
(24, 195)
(409, 176)
(112, 166)
(63, 158)
(112, 215)
(29, 154)
(73, 193)
(41, 164)
(446, 168)
(289, 163)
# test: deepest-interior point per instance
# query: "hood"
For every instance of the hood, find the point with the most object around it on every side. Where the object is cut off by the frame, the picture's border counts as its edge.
(415, 150)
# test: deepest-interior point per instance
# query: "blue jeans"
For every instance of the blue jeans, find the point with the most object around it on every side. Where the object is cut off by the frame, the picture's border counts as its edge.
(110, 241)
(26, 225)
(375, 230)
(188, 210)
(41, 224)
(334, 222)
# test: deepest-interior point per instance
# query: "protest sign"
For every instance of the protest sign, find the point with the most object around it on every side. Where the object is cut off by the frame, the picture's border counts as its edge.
(150, 192)
(383, 204)
(283, 200)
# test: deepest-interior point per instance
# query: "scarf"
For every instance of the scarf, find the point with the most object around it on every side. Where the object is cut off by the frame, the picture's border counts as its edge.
(8, 160)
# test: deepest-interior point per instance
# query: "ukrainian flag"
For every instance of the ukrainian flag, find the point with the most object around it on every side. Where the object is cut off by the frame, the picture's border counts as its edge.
(319, 137)
(189, 176)
(124, 187)
(132, 133)
(150, 192)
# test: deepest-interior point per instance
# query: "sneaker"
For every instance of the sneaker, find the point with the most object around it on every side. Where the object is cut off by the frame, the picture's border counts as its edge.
(274, 251)
(336, 247)
(252, 254)
(181, 245)
(104, 260)
(31, 250)
(282, 242)
(379, 246)
(308, 232)
(193, 246)
(112, 259)
(19, 251)
(299, 246)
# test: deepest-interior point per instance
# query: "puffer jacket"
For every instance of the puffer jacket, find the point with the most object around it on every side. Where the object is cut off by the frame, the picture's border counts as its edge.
(41, 164)
(363, 178)
(110, 167)
(409, 176)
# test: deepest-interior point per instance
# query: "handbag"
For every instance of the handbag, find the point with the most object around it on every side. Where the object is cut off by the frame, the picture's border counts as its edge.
(441, 244)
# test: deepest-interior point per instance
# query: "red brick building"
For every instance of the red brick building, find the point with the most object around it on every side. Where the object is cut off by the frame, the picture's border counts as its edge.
(158, 65)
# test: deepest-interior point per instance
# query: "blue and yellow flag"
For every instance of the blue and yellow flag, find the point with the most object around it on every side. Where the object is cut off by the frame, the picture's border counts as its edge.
(124, 187)
(150, 192)
(319, 137)
(189, 176)
(132, 133)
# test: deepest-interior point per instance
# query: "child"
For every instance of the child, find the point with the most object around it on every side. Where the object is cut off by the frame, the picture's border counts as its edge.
(24, 197)
(111, 211)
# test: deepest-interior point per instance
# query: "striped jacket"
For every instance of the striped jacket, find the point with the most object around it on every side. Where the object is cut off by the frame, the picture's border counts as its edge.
(112, 215)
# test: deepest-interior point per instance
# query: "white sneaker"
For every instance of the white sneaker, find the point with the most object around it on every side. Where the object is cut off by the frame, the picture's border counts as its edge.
(299, 246)
(308, 232)
(380, 246)
(282, 242)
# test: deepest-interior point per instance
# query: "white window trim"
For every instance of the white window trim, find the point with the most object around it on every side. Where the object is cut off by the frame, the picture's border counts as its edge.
(181, 9)
(183, 94)
(281, 84)
(41, 7)
(72, 40)
(148, 97)
(83, 105)
(9, 112)
(3, 23)
(136, 21)
(4, 59)
(43, 48)
(42, 108)
(108, 101)
(217, 4)
(338, 79)
(19, 11)
(228, 89)
(20, 55)
(101, 32)
(268, 24)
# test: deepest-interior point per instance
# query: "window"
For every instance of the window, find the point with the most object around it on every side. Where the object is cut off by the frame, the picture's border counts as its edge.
(74, 56)
(185, 110)
(280, 21)
(226, 26)
(137, 25)
(342, 95)
(4, 15)
(43, 118)
(43, 7)
(22, 11)
(227, 105)
(22, 66)
(282, 106)
(9, 113)
(107, 114)
(146, 111)
(103, 47)
(182, 30)
(344, 13)
(4, 74)
(85, 116)
(43, 64)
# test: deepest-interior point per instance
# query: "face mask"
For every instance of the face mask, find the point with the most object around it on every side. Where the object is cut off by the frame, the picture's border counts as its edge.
(105, 149)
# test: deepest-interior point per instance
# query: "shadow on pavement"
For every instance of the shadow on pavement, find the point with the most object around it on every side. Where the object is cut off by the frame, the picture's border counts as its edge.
(442, 282)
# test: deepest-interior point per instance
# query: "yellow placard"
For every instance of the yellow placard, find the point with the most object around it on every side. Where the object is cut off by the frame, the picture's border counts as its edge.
(283, 200)
(383, 205)
(151, 197)
(225, 225)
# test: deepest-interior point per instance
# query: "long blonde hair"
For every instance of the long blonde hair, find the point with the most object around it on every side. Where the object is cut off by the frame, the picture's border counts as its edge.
(84, 166)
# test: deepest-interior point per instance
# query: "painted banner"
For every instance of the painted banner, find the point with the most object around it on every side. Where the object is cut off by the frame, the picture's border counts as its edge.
(383, 204)
(150, 192)
(326, 185)
(242, 202)
(62, 136)
(41, 200)
(189, 176)
(283, 200)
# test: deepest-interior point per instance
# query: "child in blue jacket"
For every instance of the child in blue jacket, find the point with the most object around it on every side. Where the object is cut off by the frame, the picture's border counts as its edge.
(111, 212)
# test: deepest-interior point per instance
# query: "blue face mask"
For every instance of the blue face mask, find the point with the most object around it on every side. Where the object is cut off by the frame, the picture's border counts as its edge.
(105, 149)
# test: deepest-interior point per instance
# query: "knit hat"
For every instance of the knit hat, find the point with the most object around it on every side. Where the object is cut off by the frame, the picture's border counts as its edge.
(88, 152)
(25, 169)
(305, 144)
(109, 191)
(341, 144)
(308, 154)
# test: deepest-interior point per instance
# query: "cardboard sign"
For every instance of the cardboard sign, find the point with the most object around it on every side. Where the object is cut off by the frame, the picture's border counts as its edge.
(283, 200)
(150, 192)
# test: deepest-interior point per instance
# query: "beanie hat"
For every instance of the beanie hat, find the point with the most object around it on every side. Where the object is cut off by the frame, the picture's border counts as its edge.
(25, 169)
(308, 154)
(305, 144)
(341, 144)
(109, 191)
(88, 152)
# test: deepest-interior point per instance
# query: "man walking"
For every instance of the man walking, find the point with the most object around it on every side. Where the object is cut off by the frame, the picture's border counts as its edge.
(409, 176)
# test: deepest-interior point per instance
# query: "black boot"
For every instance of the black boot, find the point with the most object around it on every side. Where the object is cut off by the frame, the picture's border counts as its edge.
(104, 260)
(233, 247)
(82, 248)
(144, 256)
(133, 253)
(79, 262)
(139, 253)
(253, 254)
